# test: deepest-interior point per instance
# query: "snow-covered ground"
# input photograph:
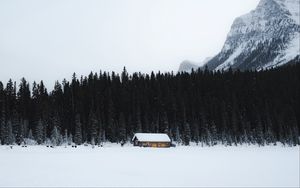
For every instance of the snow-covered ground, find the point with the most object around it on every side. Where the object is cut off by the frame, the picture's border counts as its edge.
(112, 165)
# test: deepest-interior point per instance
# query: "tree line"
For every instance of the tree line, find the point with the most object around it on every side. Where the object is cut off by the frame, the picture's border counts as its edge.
(203, 106)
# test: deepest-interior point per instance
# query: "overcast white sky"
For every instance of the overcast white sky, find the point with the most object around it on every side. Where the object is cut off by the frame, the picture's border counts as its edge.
(51, 39)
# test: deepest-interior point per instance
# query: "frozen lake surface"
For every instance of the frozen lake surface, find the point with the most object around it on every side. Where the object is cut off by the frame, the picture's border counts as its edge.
(112, 165)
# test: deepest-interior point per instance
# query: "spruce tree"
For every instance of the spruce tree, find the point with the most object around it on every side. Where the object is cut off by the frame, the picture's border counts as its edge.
(195, 132)
(30, 135)
(122, 128)
(65, 138)
(186, 134)
(93, 124)
(110, 126)
(55, 136)
(39, 132)
(11, 136)
(213, 134)
(78, 131)
(3, 132)
(70, 139)
(259, 132)
(138, 122)
(177, 135)
(165, 124)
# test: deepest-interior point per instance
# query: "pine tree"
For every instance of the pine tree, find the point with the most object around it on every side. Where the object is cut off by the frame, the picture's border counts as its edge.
(234, 120)
(205, 130)
(78, 132)
(122, 129)
(66, 138)
(20, 133)
(100, 133)
(165, 124)
(55, 136)
(56, 121)
(24, 99)
(177, 135)
(246, 132)
(293, 129)
(3, 126)
(213, 134)
(146, 124)
(195, 132)
(138, 122)
(282, 136)
(93, 142)
(269, 133)
(15, 124)
(225, 137)
(70, 139)
(111, 130)
(259, 131)
(39, 135)
(30, 136)
(11, 136)
(103, 136)
(93, 124)
(187, 134)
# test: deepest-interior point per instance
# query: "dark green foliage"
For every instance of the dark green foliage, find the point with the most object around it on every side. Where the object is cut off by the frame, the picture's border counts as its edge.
(78, 130)
(230, 107)
(186, 134)
(39, 132)
(122, 128)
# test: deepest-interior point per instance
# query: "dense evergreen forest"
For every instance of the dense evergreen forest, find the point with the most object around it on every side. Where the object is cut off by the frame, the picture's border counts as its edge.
(205, 107)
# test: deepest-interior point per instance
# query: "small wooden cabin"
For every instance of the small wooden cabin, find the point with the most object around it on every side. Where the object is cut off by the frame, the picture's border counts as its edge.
(158, 140)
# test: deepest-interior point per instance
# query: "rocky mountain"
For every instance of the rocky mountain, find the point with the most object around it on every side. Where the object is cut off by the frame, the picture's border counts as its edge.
(187, 66)
(267, 37)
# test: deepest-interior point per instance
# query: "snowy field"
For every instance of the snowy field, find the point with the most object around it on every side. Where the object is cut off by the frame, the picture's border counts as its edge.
(112, 165)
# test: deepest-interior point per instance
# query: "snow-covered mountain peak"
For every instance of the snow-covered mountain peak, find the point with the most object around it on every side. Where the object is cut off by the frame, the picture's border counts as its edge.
(293, 8)
(266, 37)
(289, 8)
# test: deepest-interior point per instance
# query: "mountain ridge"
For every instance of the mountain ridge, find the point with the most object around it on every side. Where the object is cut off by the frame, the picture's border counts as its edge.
(267, 37)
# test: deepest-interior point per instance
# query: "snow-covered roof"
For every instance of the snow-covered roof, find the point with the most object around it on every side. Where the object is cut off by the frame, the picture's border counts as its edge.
(151, 137)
